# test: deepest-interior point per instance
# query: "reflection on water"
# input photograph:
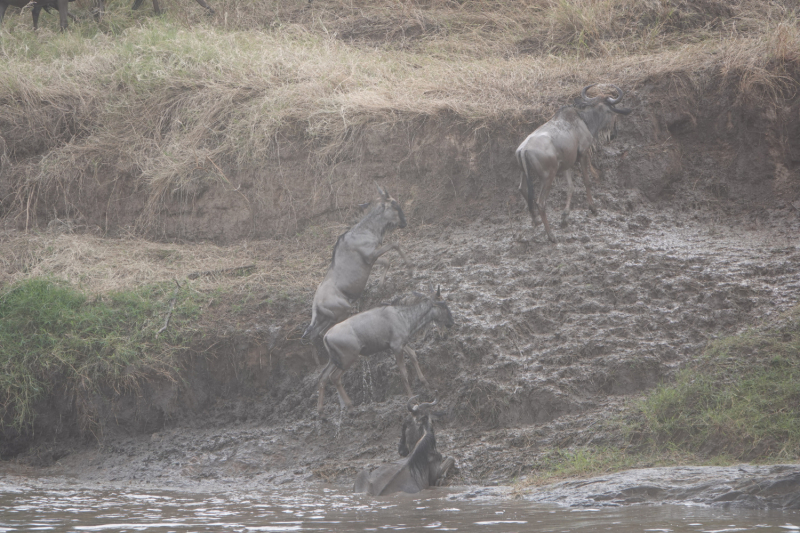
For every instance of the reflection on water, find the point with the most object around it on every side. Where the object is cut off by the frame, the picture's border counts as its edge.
(33, 508)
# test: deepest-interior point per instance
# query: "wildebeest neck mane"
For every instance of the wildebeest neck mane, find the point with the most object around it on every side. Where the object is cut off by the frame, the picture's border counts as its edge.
(417, 310)
(335, 246)
(373, 220)
(418, 462)
(595, 123)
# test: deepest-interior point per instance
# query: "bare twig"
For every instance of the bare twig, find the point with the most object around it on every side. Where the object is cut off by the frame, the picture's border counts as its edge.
(171, 308)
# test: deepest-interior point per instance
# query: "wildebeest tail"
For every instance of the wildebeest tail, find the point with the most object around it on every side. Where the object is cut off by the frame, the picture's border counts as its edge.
(530, 197)
(333, 355)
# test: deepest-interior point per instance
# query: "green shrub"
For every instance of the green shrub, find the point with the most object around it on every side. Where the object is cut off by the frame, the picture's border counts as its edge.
(51, 333)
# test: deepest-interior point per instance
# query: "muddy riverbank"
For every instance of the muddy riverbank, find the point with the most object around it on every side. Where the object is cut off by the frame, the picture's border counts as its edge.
(697, 235)
(550, 341)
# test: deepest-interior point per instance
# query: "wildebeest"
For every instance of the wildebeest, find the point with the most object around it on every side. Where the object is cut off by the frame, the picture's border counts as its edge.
(558, 145)
(354, 254)
(138, 3)
(156, 8)
(38, 5)
(388, 327)
(423, 466)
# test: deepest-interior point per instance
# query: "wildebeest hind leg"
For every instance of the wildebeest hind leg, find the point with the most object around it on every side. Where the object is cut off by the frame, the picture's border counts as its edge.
(323, 378)
(317, 349)
(586, 172)
(570, 190)
(336, 377)
(546, 184)
(526, 185)
(413, 355)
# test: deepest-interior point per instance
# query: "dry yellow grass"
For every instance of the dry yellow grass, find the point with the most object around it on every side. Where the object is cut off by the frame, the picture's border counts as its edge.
(96, 264)
(175, 106)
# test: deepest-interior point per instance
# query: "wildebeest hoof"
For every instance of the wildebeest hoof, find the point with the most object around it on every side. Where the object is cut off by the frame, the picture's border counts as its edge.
(564, 222)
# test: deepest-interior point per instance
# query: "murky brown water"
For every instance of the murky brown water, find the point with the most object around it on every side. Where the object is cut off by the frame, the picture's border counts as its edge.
(25, 507)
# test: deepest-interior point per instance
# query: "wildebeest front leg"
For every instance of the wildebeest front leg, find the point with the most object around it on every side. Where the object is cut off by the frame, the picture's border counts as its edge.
(586, 171)
(386, 264)
(570, 190)
(62, 6)
(208, 7)
(385, 248)
(413, 355)
(401, 366)
(446, 465)
(35, 12)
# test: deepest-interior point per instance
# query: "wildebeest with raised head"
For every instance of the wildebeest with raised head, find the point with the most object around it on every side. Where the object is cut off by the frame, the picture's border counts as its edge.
(388, 327)
(558, 145)
(354, 254)
(423, 465)
(38, 5)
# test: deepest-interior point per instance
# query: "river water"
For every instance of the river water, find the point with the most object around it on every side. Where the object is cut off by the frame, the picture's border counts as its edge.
(61, 507)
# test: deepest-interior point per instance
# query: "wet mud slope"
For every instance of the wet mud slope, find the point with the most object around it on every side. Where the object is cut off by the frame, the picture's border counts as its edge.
(550, 340)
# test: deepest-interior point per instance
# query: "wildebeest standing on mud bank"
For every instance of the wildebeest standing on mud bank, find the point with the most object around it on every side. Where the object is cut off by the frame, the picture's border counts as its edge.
(558, 145)
(389, 327)
(354, 254)
(60, 5)
(423, 467)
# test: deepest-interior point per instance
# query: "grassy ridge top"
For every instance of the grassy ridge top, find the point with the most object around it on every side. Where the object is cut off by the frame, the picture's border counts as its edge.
(179, 102)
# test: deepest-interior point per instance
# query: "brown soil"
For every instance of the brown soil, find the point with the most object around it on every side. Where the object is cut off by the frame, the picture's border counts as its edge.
(696, 237)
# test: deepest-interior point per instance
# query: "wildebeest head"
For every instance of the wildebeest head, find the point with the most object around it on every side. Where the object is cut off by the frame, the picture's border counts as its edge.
(392, 211)
(441, 310)
(416, 424)
(600, 112)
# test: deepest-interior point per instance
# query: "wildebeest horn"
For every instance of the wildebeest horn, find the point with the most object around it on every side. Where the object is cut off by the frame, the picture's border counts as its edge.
(410, 401)
(618, 99)
(585, 98)
(383, 193)
(428, 405)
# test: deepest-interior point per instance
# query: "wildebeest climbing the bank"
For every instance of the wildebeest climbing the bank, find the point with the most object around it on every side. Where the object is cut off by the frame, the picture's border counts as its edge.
(423, 465)
(559, 144)
(37, 6)
(389, 327)
(354, 254)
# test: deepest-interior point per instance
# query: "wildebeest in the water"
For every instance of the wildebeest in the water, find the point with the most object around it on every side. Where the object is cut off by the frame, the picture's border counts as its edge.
(423, 466)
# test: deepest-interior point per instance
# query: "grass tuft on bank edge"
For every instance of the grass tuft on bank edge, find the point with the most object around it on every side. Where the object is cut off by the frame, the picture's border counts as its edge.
(53, 333)
(739, 401)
